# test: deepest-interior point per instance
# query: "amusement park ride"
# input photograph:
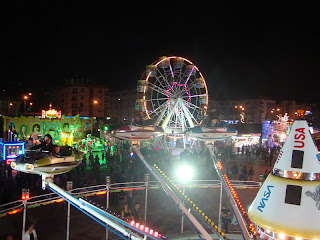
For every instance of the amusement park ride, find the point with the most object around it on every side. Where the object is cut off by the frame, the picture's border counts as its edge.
(173, 95)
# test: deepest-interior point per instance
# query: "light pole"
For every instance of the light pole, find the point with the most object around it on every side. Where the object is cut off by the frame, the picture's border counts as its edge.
(10, 104)
(220, 204)
(185, 174)
(237, 112)
(25, 98)
(108, 182)
(30, 107)
(25, 198)
(69, 189)
(95, 102)
(147, 180)
(120, 110)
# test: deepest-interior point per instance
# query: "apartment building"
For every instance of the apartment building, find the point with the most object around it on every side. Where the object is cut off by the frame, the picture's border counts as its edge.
(83, 97)
(122, 105)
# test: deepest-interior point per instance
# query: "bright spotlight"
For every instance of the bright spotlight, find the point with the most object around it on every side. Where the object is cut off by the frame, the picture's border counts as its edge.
(185, 173)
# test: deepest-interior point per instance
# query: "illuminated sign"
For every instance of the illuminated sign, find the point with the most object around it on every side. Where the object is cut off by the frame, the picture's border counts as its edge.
(51, 113)
(11, 150)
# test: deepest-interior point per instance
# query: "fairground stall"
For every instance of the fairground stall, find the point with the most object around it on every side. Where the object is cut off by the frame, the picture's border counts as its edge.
(246, 139)
(64, 130)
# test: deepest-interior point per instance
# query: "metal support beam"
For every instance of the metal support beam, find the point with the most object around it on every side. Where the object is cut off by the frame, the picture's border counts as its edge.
(187, 113)
(242, 223)
(24, 218)
(167, 119)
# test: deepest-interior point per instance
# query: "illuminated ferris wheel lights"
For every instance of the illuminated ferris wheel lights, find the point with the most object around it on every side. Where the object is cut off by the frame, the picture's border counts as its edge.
(173, 92)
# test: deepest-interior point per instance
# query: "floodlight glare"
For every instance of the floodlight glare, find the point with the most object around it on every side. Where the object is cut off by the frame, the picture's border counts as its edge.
(185, 173)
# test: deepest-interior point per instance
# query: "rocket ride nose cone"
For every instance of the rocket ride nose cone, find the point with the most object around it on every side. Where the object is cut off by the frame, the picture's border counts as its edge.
(299, 158)
(289, 200)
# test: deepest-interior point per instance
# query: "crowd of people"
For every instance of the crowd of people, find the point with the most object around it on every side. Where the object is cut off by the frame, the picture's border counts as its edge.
(245, 170)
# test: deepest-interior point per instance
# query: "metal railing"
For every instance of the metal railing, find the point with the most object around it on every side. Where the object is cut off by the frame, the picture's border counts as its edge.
(49, 198)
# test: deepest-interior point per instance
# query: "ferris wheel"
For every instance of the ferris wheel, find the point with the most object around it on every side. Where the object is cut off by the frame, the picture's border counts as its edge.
(173, 93)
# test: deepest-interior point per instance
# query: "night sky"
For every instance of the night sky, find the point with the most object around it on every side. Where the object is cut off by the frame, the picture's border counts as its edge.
(243, 51)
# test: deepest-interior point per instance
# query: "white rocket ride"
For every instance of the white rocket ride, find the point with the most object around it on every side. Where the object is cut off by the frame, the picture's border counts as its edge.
(288, 204)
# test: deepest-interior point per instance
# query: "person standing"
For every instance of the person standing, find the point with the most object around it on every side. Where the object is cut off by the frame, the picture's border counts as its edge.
(266, 157)
(266, 173)
(126, 212)
(91, 160)
(244, 173)
(9, 172)
(270, 157)
(31, 233)
(136, 213)
(226, 218)
(121, 199)
(83, 165)
(96, 168)
(234, 171)
(250, 173)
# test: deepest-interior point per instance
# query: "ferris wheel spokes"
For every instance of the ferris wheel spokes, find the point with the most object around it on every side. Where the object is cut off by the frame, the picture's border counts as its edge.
(156, 99)
(192, 96)
(159, 108)
(193, 106)
(157, 89)
(181, 113)
(192, 116)
(161, 115)
(187, 114)
(171, 111)
(191, 87)
(164, 79)
(166, 83)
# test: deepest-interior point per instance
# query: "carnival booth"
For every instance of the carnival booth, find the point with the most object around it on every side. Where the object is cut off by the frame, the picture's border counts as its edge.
(63, 129)
(246, 140)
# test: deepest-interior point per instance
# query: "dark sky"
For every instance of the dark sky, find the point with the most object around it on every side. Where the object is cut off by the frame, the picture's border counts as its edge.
(243, 51)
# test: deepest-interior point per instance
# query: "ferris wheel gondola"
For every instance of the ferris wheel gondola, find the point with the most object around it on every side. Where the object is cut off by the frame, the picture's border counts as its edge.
(173, 93)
